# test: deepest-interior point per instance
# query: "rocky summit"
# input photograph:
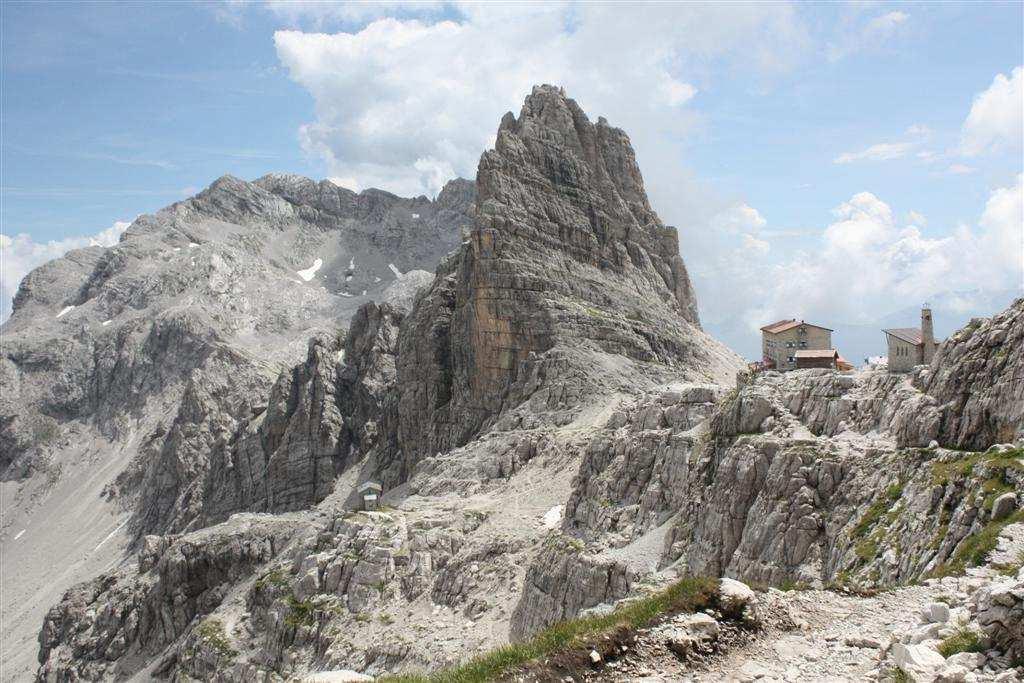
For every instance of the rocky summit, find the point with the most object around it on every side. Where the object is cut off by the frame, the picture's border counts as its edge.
(562, 463)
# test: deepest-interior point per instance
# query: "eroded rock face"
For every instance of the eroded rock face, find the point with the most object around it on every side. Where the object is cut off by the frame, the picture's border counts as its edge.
(805, 477)
(999, 611)
(174, 337)
(561, 583)
(566, 262)
(139, 376)
(95, 629)
(975, 381)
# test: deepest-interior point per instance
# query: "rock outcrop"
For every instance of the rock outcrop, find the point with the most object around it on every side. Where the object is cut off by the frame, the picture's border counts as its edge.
(551, 429)
(144, 370)
(805, 477)
(569, 286)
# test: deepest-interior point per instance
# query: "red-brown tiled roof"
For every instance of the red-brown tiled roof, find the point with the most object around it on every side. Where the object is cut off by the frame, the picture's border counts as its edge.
(907, 334)
(783, 325)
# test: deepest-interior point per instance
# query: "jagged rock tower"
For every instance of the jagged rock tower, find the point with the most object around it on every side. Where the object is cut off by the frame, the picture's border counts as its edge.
(569, 284)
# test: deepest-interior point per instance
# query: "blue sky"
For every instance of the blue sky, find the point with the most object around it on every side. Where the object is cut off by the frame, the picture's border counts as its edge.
(770, 134)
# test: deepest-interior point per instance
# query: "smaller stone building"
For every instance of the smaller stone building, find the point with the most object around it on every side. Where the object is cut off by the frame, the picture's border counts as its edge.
(910, 346)
(817, 358)
(781, 340)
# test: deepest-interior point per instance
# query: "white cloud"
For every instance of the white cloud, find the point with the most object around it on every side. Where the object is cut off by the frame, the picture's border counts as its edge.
(883, 151)
(995, 120)
(739, 218)
(20, 254)
(320, 14)
(871, 34)
(915, 218)
(752, 243)
(404, 103)
(866, 263)
(960, 169)
(915, 135)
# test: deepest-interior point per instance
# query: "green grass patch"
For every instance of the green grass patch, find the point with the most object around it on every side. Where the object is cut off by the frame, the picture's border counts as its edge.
(972, 550)
(877, 509)
(306, 612)
(898, 675)
(275, 577)
(964, 640)
(300, 612)
(944, 472)
(686, 595)
(211, 632)
(866, 550)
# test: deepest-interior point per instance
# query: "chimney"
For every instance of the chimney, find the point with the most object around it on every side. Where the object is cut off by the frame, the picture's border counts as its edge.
(927, 334)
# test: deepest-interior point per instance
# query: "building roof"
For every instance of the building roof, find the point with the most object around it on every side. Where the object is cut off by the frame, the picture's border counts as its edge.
(816, 353)
(369, 486)
(783, 325)
(907, 334)
(779, 326)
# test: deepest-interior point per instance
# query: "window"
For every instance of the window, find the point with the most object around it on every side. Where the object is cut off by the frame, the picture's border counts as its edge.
(803, 345)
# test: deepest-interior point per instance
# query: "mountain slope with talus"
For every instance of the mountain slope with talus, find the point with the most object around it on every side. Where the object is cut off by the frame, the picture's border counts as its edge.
(125, 370)
(568, 294)
(554, 434)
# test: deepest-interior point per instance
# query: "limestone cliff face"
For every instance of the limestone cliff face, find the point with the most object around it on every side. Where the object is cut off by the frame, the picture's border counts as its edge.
(174, 337)
(977, 382)
(144, 370)
(566, 260)
(816, 476)
(567, 293)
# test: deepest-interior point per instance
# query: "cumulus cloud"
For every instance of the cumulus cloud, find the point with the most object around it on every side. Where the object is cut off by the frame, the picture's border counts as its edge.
(867, 260)
(404, 103)
(995, 120)
(740, 218)
(20, 254)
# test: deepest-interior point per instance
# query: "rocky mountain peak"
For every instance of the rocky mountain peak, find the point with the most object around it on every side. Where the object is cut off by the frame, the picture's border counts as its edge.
(599, 213)
(566, 260)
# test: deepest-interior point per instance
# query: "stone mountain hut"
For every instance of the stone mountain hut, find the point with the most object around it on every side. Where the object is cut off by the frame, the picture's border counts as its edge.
(781, 341)
(370, 491)
(910, 346)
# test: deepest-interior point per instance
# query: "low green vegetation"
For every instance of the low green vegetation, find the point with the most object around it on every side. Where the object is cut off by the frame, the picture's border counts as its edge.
(944, 472)
(972, 550)
(964, 640)
(306, 612)
(275, 577)
(866, 550)
(877, 509)
(300, 612)
(211, 632)
(686, 595)
(898, 675)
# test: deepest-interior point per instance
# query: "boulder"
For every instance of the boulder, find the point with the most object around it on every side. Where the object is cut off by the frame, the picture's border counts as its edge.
(1004, 506)
(935, 613)
(737, 600)
(920, 661)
